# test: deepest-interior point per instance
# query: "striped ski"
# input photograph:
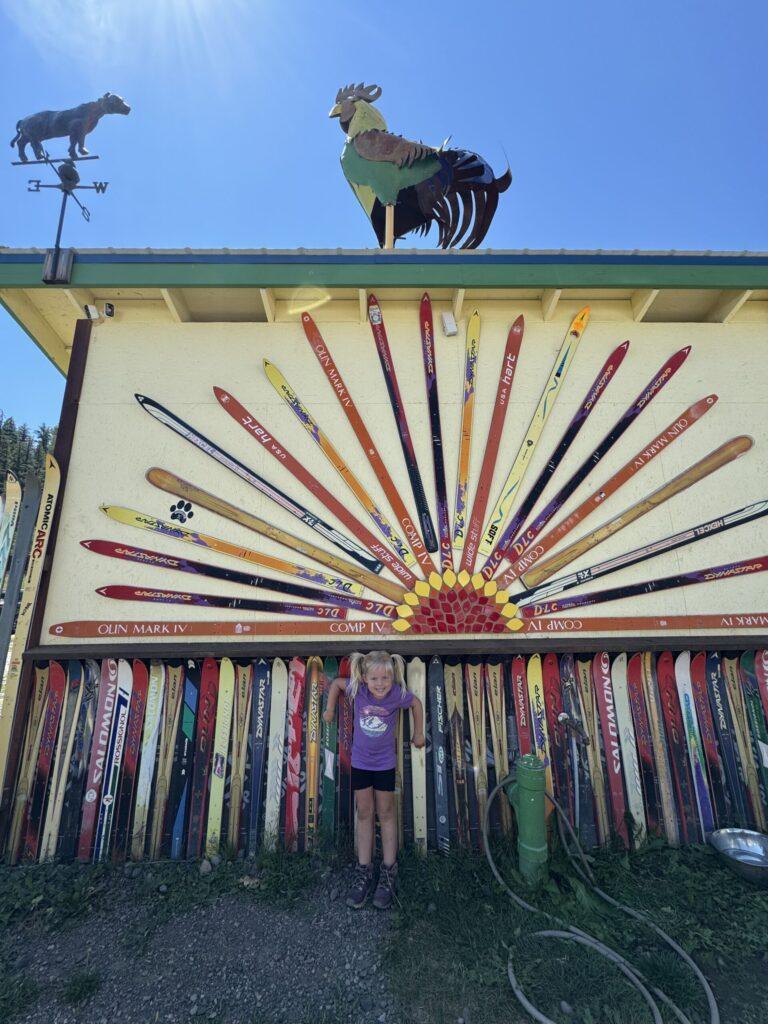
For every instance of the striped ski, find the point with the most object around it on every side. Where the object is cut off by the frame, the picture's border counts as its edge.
(644, 743)
(144, 521)
(149, 740)
(661, 753)
(350, 410)
(678, 759)
(758, 732)
(633, 784)
(221, 737)
(172, 484)
(346, 725)
(113, 761)
(28, 761)
(493, 673)
(590, 721)
(174, 694)
(124, 799)
(505, 547)
(314, 672)
(378, 330)
(601, 678)
(96, 763)
(520, 700)
(539, 734)
(571, 432)
(181, 776)
(70, 714)
(118, 592)
(503, 507)
(201, 765)
(69, 823)
(454, 703)
(399, 565)
(329, 739)
(277, 716)
(527, 553)
(216, 572)
(437, 722)
(726, 739)
(460, 507)
(261, 703)
(740, 517)
(249, 476)
(558, 746)
(270, 444)
(761, 671)
(473, 682)
(732, 677)
(693, 742)
(241, 721)
(426, 326)
(711, 574)
(57, 681)
(485, 477)
(296, 689)
(721, 800)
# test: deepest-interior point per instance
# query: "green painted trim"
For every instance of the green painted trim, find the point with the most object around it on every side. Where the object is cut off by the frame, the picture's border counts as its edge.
(392, 275)
(31, 336)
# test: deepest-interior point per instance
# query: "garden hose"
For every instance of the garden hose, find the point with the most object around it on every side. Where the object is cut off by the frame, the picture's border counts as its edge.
(649, 992)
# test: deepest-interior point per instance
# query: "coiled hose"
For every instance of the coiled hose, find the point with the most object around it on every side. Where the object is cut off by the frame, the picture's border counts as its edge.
(647, 990)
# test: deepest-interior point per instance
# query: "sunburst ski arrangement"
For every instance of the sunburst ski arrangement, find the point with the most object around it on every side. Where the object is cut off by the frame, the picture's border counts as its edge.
(496, 566)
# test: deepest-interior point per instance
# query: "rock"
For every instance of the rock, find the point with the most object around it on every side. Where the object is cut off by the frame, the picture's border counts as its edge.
(205, 867)
(163, 889)
(216, 860)
(566, 1008)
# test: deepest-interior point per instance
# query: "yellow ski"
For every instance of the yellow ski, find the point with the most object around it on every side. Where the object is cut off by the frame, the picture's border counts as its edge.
(242, 716)
(174, 692)
(465, 437)
(416, 678)
(220, 749)
(312, 796)
(539, 732)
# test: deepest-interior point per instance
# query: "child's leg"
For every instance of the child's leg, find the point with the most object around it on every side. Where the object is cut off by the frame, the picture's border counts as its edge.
(385, 809)
(365, 824)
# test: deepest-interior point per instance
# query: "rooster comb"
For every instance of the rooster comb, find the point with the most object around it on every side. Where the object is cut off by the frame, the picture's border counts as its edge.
(369, 93)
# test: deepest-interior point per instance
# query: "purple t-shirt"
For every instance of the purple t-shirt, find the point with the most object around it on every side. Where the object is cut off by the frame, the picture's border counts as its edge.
(373, 741)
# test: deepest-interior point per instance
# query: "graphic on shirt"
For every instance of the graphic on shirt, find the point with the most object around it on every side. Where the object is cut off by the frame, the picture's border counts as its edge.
(371, 721)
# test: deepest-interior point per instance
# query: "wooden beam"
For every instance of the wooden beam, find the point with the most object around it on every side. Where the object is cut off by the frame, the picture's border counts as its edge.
(80, 298)
(641, 301)
(362, 299)
(29, 317)
(176, 304)
(458, 303)
(549, 300)
(727, 306)
(268, 299)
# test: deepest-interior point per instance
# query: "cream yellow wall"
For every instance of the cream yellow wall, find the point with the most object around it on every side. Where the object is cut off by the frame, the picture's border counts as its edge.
(116, 442)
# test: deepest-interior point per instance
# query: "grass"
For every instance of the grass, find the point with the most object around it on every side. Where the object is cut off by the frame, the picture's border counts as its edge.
(455, 929)
(80, 987)
(17, 992)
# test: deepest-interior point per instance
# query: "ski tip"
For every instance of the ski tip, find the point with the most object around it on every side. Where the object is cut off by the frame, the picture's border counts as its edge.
(103, 591)
(305, 317)
(87, 543)
(220, 393)
(372, 300)
(141, 399)
(623, 346)
(266, 363)
(519, 323)
(684, 352)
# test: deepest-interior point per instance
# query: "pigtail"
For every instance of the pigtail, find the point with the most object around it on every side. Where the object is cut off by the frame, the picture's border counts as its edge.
(357, 668)
(398, 671)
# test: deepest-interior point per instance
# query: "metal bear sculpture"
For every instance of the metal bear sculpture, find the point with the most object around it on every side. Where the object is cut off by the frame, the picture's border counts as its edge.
(75, 123)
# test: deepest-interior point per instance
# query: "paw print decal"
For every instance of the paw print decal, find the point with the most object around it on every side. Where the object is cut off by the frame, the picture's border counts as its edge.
(182, 511)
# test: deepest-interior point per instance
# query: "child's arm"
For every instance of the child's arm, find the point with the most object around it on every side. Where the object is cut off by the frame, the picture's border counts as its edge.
(417, 735)
(338, 685)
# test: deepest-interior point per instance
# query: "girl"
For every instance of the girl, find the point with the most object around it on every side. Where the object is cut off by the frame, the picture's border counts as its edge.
(377, 689)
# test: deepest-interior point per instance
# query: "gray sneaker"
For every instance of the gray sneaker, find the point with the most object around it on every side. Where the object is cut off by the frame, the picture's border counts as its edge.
(384, 896)
(362, 884)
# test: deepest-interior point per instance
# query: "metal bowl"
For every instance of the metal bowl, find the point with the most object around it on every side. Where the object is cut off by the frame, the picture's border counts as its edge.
(744, 851)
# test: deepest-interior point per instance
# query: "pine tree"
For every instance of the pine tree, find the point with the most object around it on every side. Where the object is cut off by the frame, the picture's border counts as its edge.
(21, 450)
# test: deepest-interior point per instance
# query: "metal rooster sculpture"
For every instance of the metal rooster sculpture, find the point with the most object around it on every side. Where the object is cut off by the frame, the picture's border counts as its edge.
(406, 186)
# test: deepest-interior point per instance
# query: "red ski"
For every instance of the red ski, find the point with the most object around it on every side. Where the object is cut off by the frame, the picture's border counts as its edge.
(130, 761)
(558, 741)
(201, 766)
(346, 726)
(678, 752)
(601, 679)
(644, 742)
(519, 679)
(485, 479)
(296, 685)
(34, 815)
(101, 729)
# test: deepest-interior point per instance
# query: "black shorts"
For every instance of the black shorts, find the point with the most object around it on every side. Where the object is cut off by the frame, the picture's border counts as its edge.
(364, 778)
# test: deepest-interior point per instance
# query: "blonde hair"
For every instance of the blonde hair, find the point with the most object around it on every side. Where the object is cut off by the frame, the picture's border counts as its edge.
(359, 665)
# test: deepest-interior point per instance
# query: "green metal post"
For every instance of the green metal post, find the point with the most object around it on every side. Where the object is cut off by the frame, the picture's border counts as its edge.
(526, 795)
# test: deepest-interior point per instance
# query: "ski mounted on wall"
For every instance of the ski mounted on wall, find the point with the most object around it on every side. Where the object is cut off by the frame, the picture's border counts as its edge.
(426, 326)
(376, 321)
(122, 593)
(460, 505)
(249, 476)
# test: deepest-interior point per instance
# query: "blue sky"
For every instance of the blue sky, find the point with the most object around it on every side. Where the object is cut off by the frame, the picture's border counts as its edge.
(626, 126)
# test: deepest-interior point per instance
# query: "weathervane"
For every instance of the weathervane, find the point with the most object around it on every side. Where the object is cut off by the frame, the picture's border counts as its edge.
(75, 123)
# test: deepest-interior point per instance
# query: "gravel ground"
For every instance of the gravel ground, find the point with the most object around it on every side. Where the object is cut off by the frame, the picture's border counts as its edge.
(231, 962)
